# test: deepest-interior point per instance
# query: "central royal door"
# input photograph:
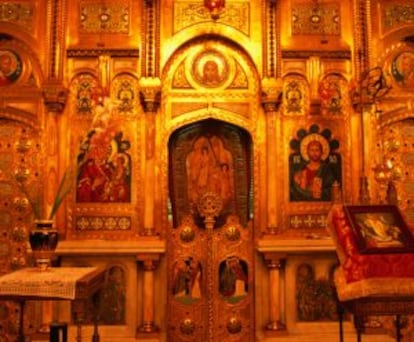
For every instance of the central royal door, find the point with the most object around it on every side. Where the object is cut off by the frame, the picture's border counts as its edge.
(210, 245)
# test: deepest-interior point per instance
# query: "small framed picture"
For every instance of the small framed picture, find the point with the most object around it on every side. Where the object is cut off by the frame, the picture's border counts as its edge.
(379, 229)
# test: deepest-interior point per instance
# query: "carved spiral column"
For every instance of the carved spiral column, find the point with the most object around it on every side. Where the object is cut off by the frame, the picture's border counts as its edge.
(271, 99)
(274, 262)
(150, 92)
(150, 263)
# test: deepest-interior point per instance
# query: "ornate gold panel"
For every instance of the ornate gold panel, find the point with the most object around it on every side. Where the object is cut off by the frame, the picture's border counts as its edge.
(398, 151)
(235, 14)
(20, 13)
(395, 14)
(21, 191)
(104, 17)
(316, 18)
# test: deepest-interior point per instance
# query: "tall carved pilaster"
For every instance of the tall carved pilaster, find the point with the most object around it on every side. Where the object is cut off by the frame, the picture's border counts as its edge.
(54, 93)
(271, 99)
(150, 94)
(274, 263)
(150, 263)
(362, 35)
(151, 30)
(271, 50)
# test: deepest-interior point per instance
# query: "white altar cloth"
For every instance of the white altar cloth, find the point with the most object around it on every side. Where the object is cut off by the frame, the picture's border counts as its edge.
(59, 282)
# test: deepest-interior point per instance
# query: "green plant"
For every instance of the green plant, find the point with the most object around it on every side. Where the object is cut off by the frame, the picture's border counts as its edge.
(34, 194)
(63, 190)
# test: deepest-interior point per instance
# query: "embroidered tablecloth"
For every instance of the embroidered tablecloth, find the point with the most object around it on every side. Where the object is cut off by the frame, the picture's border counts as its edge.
(59, 282)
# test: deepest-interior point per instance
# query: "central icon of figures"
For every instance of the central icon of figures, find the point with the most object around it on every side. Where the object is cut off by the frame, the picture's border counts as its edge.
(209, 168)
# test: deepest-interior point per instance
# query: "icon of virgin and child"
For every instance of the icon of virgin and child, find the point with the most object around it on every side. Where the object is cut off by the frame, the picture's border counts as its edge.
(209, 168)
(314, 170)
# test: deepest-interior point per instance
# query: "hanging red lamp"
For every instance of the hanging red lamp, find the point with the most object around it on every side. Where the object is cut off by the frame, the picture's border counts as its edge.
(215, 7)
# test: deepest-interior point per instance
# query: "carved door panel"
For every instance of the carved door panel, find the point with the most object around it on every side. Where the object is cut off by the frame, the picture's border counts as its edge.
(210, 249)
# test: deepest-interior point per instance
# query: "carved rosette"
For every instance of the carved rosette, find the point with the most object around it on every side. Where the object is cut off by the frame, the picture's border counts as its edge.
(150, 93)
(209, 207)
(55, 96)
(271, 94)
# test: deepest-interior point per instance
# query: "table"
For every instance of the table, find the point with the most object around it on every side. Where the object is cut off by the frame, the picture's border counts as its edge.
(377, 306)
(76, 284)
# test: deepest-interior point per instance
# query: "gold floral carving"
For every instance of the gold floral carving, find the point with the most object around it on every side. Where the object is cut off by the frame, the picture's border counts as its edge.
(240, 80)
(235, 14)
(316, 18)
(398, 139)
(396, 14)
(17, 12)
(295, 95)
(104, 17)
(179, 79)
(19, 163)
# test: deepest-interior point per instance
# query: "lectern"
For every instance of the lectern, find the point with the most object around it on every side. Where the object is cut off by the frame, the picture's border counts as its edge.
(375, 275)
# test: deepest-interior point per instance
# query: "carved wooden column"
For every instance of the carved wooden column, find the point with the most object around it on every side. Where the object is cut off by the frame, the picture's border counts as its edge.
(274, 262)
(150, 92)
(54, 97)
(271, 99)
(150, 263)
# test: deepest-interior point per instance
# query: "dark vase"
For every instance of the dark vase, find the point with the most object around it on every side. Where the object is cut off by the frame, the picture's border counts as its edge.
(43, 242)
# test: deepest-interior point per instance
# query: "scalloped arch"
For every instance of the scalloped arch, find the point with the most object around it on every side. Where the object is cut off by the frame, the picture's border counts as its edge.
(25, 46)
(191, 35)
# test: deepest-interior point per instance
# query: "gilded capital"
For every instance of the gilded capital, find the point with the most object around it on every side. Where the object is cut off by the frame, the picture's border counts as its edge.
(274, 260)
(149, 261)
(55, 96)
(150, 93)
(271, 93)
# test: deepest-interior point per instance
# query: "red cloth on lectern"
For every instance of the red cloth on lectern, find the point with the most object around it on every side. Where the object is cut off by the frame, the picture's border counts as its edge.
(358, 266)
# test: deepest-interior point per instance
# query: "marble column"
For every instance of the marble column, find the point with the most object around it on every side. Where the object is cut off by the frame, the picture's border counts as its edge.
(274, 263)
(149, 263)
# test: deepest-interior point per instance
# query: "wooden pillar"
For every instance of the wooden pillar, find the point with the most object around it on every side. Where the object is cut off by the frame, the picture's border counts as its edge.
(274, 263)
(55, 98)
(150, 90)
(148, 326)
(271, 99)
